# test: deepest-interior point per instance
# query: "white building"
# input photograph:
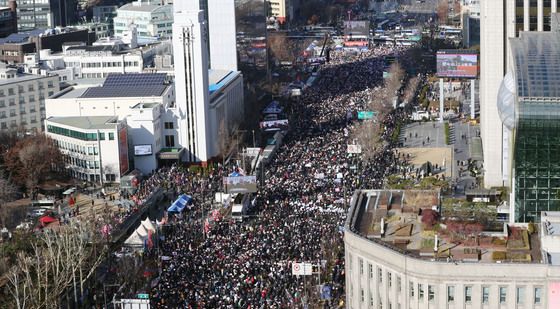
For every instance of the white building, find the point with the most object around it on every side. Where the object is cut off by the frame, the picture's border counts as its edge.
(206, 102)
(79, 61)
(222, 34)
(22, 99)
(94, 148)
(381, 274)
(145, 101)
(151, 19)
(501, 20)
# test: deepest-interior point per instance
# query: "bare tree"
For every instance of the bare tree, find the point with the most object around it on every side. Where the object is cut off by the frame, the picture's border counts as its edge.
(59, 259)
(30, 159)
(411, 89)
(228, 139)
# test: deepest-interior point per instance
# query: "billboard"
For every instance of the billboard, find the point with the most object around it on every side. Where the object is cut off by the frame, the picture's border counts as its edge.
(240, 184)
(142, 150)
(457, 64)
(274, 124)
(123, 150)
(356, 27)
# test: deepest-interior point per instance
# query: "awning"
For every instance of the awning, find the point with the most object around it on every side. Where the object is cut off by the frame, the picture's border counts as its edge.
(47, 219)
(180, 204)
(170, 153)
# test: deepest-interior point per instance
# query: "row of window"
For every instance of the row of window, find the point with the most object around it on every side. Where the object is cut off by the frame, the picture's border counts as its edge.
(81, 163)
(110, 64)
(14, 123)
(468, 290)
(77, 134)
(89, 150)
(92, 177)
(31, 87)
(22, 111)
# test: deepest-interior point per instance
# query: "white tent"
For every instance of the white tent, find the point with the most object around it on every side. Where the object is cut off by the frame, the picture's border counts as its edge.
(148, 225)
(142, 231)
(134, 240)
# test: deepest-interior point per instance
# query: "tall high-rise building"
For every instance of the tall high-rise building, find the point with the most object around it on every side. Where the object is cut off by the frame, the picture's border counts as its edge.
(209, 97)
(221, 34)
(191, 78)
(501, 20)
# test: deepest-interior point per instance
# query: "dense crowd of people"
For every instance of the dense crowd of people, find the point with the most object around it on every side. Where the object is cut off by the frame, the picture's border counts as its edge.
(300, 212)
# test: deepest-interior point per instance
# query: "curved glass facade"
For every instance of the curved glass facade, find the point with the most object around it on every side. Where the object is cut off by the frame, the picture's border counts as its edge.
(536, 134)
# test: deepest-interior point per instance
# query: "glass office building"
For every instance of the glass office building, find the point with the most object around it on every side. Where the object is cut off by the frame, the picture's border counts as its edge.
(529, 105)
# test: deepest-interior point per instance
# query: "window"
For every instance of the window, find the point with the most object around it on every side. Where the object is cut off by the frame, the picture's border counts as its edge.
(362, 295)
(520, 295)
(450, 294)
(389, 279)
(411, 288)
(538, 296)
(468, 294)
(101, 136)
(169, 141)
(420, 292)
(168, 125)
(431, 293)
(90, 150)
(95, 151)
(485, 294)
(361, 266)
(111, 136)
(371, 300)
(503, 294)
(379, 275)
(370, 271)
(399, 288)
(11, 91)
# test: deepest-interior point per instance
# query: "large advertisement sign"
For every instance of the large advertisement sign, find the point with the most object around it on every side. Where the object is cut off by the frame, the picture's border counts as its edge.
(240, 184)
(123, 150)
(142, 150)
(356, 27)
(457, 64)
(274, 124)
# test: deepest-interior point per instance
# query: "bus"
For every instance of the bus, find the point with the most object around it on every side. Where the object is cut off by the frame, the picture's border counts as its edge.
(356, 41)
(45, 204)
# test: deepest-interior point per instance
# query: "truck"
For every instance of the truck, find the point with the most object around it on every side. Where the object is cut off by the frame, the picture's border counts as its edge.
(240, 206)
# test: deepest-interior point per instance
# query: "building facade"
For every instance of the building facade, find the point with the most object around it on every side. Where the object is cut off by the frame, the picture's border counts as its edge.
(8, 19)
(221, 34)
(529, 107)
(382, 273)
(22, 99)
(94, 148)
(144, 101)
(43, 14)
(15, 47)
(209, 103)
(150, 19)
(501, 20)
